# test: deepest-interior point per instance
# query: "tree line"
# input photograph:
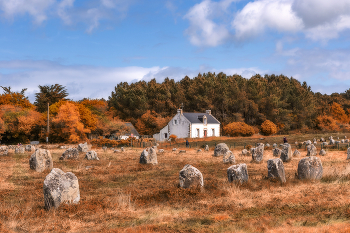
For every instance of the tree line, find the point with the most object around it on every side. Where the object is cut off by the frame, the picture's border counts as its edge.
(278, 101)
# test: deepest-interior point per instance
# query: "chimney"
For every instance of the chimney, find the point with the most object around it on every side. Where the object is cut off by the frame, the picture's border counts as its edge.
(179, 111)
(208, 112)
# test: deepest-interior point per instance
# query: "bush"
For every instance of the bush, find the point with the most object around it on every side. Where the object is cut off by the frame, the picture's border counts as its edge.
(239, 129)
(172, 137)
(268, 128)
(326, 123)
(108, 142)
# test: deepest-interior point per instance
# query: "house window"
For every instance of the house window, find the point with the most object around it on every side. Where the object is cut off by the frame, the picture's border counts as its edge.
(165, 135)
(213, 132)
(175, 122)
(197, 133)
(205, 120)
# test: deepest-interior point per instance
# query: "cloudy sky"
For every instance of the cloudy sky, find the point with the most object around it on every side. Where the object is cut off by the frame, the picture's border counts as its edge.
(90, 46)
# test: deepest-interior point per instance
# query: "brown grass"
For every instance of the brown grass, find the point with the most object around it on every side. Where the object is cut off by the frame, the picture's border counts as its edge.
(120, 195)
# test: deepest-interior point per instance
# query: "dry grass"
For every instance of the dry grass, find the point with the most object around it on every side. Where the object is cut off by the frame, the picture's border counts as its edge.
(120, 195)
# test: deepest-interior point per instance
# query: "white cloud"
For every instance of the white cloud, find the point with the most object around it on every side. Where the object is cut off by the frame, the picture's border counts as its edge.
(258, 16)
(35, 8)
(91, 12)
(203, 30)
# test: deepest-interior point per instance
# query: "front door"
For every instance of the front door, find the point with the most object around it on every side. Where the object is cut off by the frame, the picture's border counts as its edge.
(205, 133)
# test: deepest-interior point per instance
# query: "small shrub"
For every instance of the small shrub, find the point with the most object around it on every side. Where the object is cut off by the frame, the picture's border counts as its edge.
(239, 129)
(173, 137)
(268, 128)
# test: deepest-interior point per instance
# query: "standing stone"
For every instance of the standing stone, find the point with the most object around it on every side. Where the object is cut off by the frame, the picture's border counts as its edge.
(346, 140)
(199, 150)
(322, 140)
(206, 148)
(19, 150)
(296, 153)
(342, 141)
(345, 137)
(324, 144)
(267, 145)
(257, 154)
(276, 152)
(104, 149)
(29, 148)
(238, 172)
(190, 177)
(244, 152)
(60, 187)
(275, 169)
(323, 152)
(286, 154)
(4, 150)
(41, 160)
(310, 168)
(311, 150)
(220, 149)
(174, 149)
(274, 145)
(308, 142)
(70, 153)
(122, 149)
(149, 156)
(91, 155)
(83, 147)
(229, 157)
(331, 141)
(348, 153)
(161, 151)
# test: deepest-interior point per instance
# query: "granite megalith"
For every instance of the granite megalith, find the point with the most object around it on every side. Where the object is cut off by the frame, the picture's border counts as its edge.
(190, 177)
(149, 156)
(41, 160)
(220, 149)
(310, 168)
(59, 188)
(275, 169)
(238, 173)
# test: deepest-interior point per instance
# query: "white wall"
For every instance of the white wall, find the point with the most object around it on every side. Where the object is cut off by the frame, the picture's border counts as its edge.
(181, 127)
(202, 127)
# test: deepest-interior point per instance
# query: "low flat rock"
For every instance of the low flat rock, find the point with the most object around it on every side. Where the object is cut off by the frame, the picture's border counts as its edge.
(229, 157)
(149, 156)
(190, 177)
(29, 148)
(220, 149)
(238, 173)
(275, 169)
(323, 152)
(161, 151)
(83, 147)
(19, 150)
(70, 153)
(310, 168)
(41, 160)
(4, 150)
(245, 152)
(60, 187)
(91, 155)
(296, 153)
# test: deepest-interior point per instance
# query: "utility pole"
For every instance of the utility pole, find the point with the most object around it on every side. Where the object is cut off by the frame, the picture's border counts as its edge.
(47, 137)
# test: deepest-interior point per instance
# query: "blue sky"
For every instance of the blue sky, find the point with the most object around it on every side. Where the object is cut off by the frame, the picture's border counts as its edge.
(90, 46)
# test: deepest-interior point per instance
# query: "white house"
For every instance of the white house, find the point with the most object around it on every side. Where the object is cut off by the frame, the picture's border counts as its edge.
(190, 125)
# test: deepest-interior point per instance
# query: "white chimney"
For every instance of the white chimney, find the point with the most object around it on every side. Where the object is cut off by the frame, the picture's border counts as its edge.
(179, 111)
(208, 112)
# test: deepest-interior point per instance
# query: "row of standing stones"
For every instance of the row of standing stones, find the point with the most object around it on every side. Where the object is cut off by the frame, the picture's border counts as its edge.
(60, 187)
(308, 168)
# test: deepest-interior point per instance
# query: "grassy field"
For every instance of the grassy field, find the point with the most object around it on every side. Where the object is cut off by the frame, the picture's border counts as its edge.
(120, 195)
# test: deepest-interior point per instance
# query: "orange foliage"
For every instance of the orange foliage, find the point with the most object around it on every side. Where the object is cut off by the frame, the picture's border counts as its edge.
(150, 123)
(16, 99)
(338, 113)
(173, 137)
(268, 128)
(327, 123)
(108, 142)
(68, 125)
(239, 129)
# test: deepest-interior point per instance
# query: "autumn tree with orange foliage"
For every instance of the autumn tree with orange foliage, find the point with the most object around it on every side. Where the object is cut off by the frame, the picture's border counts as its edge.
(67, 125)
(327, 123)
(15, 98)
(239, 129)
(338, 113)
(268, 128)
(18, 124)
(151, 123)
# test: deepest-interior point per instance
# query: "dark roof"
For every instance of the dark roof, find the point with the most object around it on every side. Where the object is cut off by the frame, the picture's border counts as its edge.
(198, 118)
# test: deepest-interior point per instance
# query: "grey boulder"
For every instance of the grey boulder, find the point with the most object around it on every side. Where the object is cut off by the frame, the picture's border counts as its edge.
(238, 173)
(41, 160)
(229, 157)
(286, 153)
(190, 177)
(71, 153)
(311, 150)
(91, 155)
(275, 169)
(310, 168)
(220, 149)
(149, 156)
(59, 188)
